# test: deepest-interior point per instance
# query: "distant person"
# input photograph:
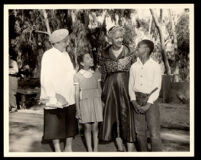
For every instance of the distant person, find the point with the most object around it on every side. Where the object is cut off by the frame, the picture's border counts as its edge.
(13, 82)
(25, 71)
(118, 122)
(144, 88)
(58, 92)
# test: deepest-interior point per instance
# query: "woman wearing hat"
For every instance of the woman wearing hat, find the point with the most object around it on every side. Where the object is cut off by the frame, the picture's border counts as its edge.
(115, 64)
(57, 92)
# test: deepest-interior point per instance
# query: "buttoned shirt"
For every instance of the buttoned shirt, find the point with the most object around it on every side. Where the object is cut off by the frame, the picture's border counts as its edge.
(145, 78)
(57, 74)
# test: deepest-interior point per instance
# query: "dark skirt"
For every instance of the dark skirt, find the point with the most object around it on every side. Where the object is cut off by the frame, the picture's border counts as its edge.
(60, 123)
(118, 114)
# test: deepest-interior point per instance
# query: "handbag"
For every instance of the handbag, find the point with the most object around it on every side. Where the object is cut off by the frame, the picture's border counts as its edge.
(142, 98)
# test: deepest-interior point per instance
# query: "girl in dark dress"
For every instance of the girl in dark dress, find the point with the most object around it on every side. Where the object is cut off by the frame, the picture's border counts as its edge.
(115, 63)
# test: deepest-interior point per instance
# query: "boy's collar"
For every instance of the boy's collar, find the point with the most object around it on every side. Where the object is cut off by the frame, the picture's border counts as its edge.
(139, 60)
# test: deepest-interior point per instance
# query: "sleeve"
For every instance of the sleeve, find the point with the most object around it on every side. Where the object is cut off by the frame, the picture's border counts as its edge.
(47, 78)
(156, 83)
(14, 69)
(134, 58)
(76, 79)
(98, 75)
(102, 68)
(131, 84)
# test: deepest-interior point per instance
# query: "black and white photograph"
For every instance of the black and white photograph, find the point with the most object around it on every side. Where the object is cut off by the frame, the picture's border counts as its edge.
(98, 80)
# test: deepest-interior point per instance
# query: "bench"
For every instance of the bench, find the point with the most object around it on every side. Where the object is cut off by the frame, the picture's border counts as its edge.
(25, 93)
(28, 91)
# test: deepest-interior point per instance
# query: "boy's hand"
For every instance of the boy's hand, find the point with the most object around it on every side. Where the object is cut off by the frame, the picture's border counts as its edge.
(145, 108)
(137, 107)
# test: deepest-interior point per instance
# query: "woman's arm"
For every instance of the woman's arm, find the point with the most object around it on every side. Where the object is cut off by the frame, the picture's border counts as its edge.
(77, 101)
(77, 96)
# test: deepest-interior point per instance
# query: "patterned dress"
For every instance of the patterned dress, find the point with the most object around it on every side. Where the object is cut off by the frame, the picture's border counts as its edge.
(90, 96)
(118, 118)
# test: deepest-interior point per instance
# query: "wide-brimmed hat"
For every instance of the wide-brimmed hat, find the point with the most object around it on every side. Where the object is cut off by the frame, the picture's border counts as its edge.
(58, 35)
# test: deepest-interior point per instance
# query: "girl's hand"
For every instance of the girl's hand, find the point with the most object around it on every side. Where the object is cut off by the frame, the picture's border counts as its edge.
(103, 105)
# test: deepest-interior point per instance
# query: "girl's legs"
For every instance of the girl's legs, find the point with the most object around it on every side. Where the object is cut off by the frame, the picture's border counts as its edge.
(87, 134)
(68, 146)
(56, 144)
(95, 135)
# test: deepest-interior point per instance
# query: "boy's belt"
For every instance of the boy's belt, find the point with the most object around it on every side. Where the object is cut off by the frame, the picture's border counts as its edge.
(142, 98)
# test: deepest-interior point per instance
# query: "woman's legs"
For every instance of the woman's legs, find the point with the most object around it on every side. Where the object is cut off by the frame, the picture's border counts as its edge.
(119, 143)
(56, 144)
(95, 135)
(68, 146)
(87, 134)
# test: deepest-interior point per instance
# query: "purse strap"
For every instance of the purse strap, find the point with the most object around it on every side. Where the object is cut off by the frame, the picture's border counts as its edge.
(152, 91)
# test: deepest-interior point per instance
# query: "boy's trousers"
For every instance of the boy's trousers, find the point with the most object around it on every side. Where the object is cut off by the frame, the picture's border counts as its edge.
(151, 121)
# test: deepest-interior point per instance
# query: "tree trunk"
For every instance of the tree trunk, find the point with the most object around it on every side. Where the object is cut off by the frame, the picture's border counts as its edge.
(176, 72)
(159, 28)
(73, 14)
(46, 21)
(150, 25)
(166, 81)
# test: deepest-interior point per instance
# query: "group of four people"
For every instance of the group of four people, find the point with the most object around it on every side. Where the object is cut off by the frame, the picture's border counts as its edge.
(122, 94)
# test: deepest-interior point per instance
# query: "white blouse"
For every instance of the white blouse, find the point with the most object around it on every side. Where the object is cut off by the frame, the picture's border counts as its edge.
(57, 72)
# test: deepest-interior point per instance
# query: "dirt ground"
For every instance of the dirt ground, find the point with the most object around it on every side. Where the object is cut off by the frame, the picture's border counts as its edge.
(26, 130)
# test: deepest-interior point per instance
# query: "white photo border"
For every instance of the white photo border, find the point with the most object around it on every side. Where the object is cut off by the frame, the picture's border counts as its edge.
(97, 154)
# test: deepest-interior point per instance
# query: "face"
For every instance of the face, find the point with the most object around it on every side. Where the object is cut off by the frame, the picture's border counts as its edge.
(87, 61)
(65, 42)
(117, 39)
(141, 50)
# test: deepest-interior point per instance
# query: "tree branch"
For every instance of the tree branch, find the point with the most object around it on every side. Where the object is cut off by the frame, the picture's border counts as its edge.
(46, 21)
(43, 32)
(158, 26)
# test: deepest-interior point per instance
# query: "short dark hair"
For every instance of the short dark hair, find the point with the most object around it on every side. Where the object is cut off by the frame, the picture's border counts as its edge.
(80, 59)
(149, 44)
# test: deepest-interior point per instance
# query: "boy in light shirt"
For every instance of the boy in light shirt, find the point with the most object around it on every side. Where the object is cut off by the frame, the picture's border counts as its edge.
(144, 88)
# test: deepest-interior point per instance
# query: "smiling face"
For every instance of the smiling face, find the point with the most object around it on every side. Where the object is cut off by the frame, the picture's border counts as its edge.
(117, 39)
(87, 61)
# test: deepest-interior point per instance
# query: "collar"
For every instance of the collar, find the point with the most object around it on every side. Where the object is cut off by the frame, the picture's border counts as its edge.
(58, 51)
(87, 73)
(148, 61)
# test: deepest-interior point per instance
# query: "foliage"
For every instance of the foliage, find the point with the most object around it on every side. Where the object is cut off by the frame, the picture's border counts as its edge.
(183, 36)
(27, 30)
